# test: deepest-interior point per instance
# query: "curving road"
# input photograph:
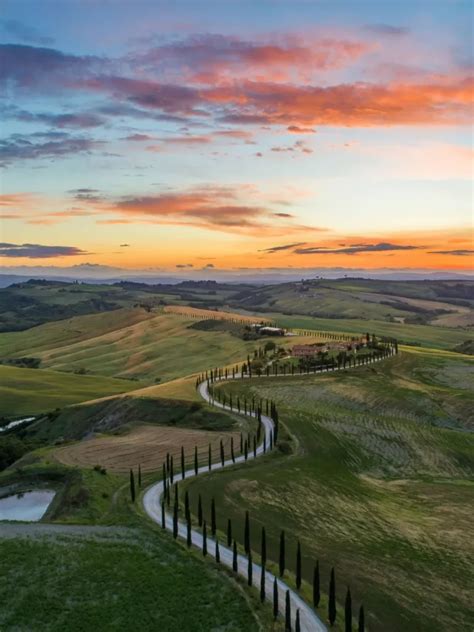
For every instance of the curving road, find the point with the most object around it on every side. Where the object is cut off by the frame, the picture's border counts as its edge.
(309, 620)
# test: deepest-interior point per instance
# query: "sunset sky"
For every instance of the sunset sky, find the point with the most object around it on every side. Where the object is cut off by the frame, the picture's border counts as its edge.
(293, 134)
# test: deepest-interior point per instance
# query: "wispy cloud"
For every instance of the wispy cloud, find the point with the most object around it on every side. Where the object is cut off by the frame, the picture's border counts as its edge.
(38, 251)
(355, 249)
(284, 247)
(463, 252)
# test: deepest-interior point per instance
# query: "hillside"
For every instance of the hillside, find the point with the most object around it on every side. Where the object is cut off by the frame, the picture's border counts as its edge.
(374, 480)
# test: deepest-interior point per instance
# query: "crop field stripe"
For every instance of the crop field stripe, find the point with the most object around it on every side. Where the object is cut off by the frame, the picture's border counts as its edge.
(152, 499)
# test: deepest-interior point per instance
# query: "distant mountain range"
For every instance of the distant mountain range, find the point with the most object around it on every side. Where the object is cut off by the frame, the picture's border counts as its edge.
(107, 274)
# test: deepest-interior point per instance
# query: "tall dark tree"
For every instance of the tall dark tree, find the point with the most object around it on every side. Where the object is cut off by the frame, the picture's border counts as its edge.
(316, 586)
(263, 553)
(196, 462)
(255, 447)
(204, 538)
(171, 469)
(361, 626)
(213, 517)
(281, 562)
(188, 530)
(246, 450)
(249, 569)
(232, 453)
(235, 566)
(218, 553)
(139, 476)
(132, 486)
(229, 532)
(332, 598)
(163, 516)
(210, 457)
(275, 598)
(298, 566)
(348, 612)
(287, 612)
(247, 533)
(200, 511)
(297, 622)
(164, 477)
(262, 583)
(183, 466)
(168, 462)
(222, 453)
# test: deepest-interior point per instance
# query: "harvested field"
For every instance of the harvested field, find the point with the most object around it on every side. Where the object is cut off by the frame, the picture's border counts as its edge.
(145, 445)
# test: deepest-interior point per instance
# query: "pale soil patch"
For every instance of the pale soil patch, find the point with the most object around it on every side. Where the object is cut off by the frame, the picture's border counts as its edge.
(146, 446)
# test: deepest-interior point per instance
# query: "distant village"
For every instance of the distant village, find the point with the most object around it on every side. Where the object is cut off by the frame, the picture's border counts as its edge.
(310, 350)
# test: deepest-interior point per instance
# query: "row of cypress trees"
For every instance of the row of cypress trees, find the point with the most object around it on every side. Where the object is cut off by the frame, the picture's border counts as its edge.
(232, 544)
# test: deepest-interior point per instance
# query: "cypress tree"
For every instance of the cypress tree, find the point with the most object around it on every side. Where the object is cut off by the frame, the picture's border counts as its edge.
(247, 533)
(210, 457)
(168, 494)
(196, 465)
(297, 622)
(229, 532)
(361, 627)
(249, 569)
(255, 447)
(246, 451)
(332, 598)
(168, 462)
(262, 584)
(204, 538)
(200, 511)
(163, 520)
(164, 476)
(235, 567)
(232, 449)
(171, 469)
(139, 476)
(316, 586)
(241, 443)
(183, 469)
(132, 486)
(218, 553)
(275, 598)
(282, 554)
(188, 530)
(264, 547)
(298, 566)
(287, 612)
(213, 517)
(222, 453)
(348, 612)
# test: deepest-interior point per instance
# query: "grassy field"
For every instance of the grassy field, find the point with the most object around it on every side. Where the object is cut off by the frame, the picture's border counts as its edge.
(125, 579)
(127, 343)
(379, 485)
(34, 391)
(424, 335)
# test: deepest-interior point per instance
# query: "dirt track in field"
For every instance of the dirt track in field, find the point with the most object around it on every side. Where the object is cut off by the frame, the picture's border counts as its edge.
(146, 445)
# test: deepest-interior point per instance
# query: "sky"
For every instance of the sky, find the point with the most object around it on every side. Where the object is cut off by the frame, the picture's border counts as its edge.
(273, 134)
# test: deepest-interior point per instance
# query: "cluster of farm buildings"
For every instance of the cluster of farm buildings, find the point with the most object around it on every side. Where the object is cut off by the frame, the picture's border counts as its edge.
(304, 351)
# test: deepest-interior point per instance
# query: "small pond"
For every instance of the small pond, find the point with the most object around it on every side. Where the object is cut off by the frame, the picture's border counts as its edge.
(28, 506)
